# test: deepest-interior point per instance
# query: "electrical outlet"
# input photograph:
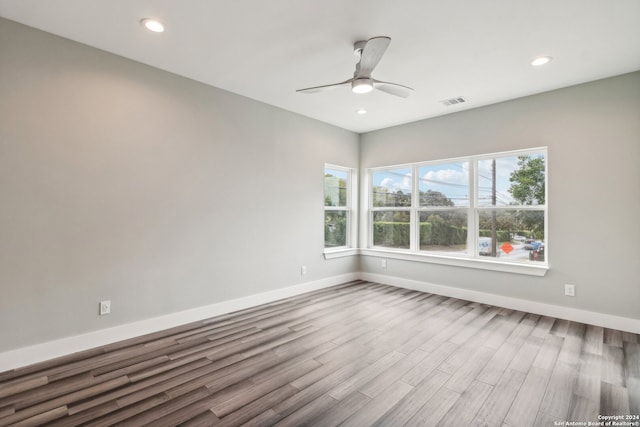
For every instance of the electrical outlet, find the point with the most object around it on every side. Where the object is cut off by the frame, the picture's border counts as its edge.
(383, 263)
(570, 290)
(105, 307)
(303, 270)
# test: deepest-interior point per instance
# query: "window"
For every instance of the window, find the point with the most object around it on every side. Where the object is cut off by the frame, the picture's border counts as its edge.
(338, 211)
(392, 208)
(489, 207)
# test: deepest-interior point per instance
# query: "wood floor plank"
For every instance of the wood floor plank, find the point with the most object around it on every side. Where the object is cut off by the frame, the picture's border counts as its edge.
(258, 406)
(435, 408)
(582, 408)
(18, 386)
(612, 337)
(499, 362)
(614, 399)
(409, 405)
(58, 402)
(543, 327)
(365, 375)
(359, 353)
(267, 418)
(376, 408)
(467, 406)
(304, 396)
(225, 403)
(593, 339)
(524, 409)
(342, 410)
(112, 396)
(557, 397)
(612, 365)
(307, 414)
(429, 364)
(373, 387)
(632, 374)
(465, 375)
(42, 418)
(155, 415)
(495, 408)
(205, 419)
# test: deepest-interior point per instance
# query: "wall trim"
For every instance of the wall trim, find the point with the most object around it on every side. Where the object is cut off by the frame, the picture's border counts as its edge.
(48, 350)
(568, 313)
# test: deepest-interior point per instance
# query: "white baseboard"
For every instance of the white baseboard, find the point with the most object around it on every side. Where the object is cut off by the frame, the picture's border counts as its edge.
(567, 313)
(40, 352)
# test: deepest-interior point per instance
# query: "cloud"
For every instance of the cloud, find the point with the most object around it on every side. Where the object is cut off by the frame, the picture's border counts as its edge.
(387, 182)
(448, 176)
(404, 186)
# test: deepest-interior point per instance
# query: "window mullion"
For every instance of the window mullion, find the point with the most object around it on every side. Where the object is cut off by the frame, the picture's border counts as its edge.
(472, 217)
(414, 220)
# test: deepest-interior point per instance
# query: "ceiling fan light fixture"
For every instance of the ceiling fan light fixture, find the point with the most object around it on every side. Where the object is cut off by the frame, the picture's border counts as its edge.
(362, 85)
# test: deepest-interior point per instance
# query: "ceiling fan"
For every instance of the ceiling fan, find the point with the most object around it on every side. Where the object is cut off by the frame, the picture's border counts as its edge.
(370, 53)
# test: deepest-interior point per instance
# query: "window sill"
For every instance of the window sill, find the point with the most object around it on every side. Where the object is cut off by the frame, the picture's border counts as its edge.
(340, 252)
(482, 264)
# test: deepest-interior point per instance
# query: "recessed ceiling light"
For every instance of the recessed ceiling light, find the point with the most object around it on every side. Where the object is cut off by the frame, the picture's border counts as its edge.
(541, 60)
(152, 25)
(361, 111)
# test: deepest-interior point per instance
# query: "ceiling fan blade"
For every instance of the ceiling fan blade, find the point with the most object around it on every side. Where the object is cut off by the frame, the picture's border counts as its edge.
(317, 89)
(371, 54)
(393, 88)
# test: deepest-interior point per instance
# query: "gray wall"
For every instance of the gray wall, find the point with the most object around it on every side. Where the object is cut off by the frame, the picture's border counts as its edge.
(593, 134)
(119, 181)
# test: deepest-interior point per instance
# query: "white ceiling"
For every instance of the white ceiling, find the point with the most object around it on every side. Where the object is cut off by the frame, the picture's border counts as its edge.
(266, 49)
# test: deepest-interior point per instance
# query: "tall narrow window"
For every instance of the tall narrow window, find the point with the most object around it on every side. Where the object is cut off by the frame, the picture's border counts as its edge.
(337, 207)
(512, 206)
(444, 207)
(391, 211)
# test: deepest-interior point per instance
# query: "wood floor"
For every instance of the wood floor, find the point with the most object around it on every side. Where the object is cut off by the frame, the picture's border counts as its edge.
(358, 354)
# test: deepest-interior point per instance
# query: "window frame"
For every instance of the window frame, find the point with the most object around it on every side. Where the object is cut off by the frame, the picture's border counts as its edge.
(471, 257)
(350, 248)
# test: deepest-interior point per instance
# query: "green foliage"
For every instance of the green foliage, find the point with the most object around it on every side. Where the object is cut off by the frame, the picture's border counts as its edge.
(337, 189)
(527, 182)
(501, 235)
(335, 230)
(437, 232)
(383, 198)
(396, 234)
(434, 198)
(393, 234)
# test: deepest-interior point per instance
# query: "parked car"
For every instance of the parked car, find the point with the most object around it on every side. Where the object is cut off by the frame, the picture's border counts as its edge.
(537, 254)
(484, 246)
(519, 239)
(531, 244)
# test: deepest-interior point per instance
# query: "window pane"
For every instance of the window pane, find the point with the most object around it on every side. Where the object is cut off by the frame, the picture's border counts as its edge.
(335, 187)
(443, 231)
(444, 185)
(335, 228)
(392, 188)
(518, 234)
(391, 229)
(519, 180)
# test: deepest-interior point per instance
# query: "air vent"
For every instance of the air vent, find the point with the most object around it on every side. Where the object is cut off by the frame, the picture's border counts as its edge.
(454, 101)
